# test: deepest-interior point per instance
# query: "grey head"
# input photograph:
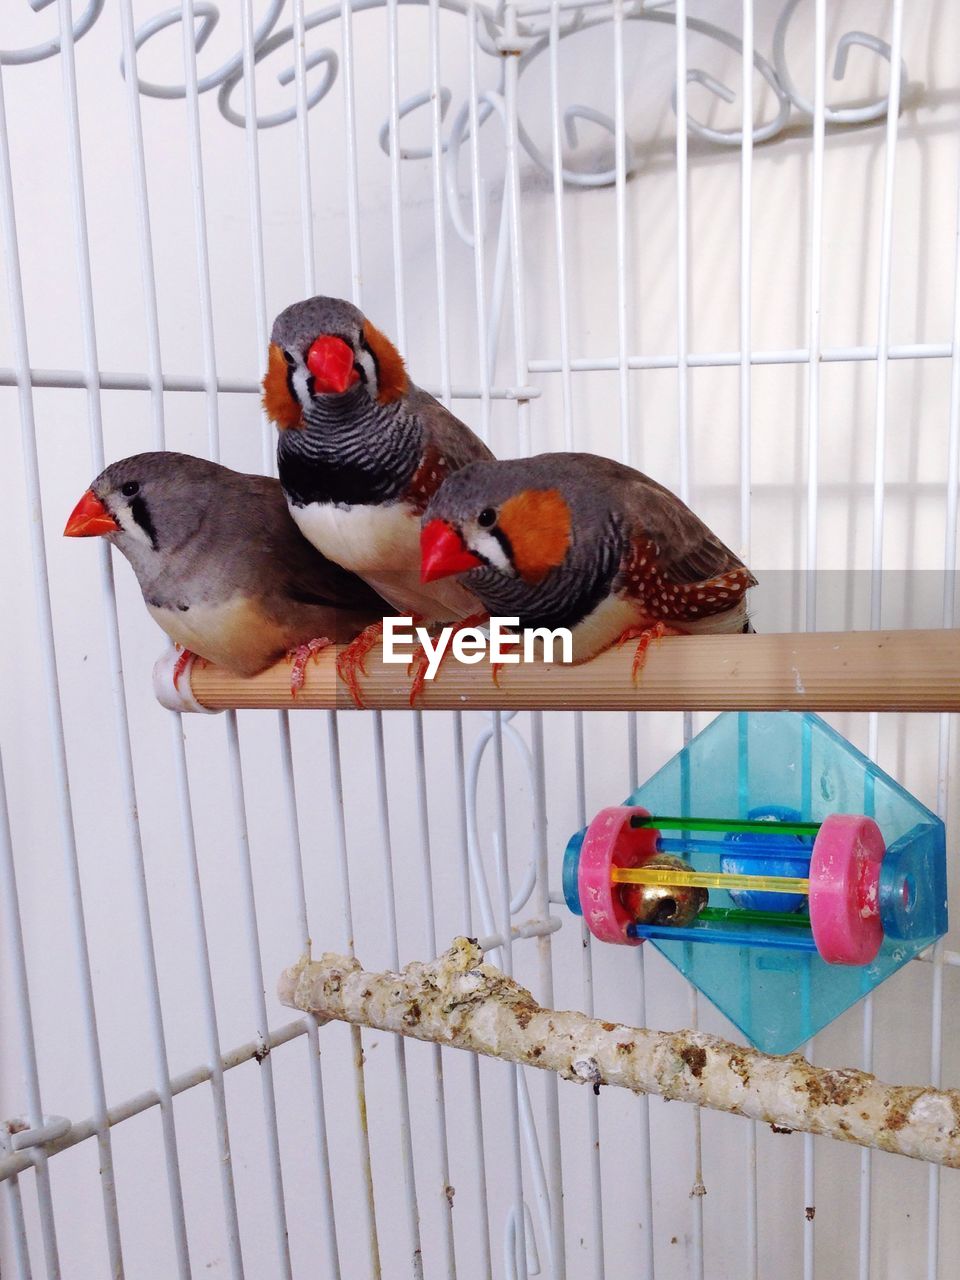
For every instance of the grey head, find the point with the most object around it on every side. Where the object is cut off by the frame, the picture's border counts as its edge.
(158, 501)
(299, 325)
(337, 390)
(330, 351)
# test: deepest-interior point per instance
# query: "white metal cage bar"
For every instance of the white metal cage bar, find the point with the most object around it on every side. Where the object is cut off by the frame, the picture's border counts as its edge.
(8, 226)
(530, 1224)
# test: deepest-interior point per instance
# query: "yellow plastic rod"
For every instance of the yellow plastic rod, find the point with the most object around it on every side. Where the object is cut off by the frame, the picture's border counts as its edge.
(708, 879)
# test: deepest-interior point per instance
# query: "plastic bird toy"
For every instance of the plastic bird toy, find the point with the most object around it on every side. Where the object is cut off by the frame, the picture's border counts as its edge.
(828, 877)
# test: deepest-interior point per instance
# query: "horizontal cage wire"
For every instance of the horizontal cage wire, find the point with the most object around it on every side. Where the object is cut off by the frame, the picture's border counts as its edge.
(717, 241)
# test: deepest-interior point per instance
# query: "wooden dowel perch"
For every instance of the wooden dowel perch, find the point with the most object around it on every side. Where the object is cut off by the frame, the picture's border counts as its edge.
(825, 671)
(457, 1000)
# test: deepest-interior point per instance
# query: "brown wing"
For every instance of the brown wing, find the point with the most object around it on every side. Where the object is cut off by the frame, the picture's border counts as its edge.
(675, 565)
(281, 564)
(448, 445)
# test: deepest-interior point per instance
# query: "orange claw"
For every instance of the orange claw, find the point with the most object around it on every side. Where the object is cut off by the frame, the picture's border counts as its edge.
(420, 662)
(644, 635)
(352, 661)
(418, 668)
(187, 659)
(497, 667)
(300, 656)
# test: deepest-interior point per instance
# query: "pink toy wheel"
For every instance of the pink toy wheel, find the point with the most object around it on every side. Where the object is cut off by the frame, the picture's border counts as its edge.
(611, 842)
(844, 889)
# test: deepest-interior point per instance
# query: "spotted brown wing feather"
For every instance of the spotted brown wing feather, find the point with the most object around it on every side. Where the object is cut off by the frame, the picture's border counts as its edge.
(677, 569)
(448, 445)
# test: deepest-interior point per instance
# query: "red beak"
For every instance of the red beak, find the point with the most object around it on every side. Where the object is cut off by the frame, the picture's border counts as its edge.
(89, 518)
(330, 360)
(442, 552)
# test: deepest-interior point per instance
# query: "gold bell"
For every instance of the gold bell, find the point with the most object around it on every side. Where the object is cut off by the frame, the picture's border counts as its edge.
(676, 904)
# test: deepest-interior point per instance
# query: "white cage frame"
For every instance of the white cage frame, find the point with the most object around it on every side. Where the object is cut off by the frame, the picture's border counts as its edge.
(517, 32)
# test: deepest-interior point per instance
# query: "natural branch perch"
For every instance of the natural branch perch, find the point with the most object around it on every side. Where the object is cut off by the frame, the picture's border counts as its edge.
(459, 1001)
(825, 671)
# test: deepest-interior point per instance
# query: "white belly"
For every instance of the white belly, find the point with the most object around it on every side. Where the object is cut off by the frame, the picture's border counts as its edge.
(603, 626)
(617, 613)
(382, 545)
(233, 634)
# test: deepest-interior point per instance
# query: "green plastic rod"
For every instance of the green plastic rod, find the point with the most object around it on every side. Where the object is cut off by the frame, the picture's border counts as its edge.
(727, 824)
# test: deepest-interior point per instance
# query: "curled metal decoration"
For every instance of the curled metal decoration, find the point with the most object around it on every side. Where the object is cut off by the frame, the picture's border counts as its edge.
(531, 41)
(863, 114)
(405, 109)
(487, 103)
(48, 48)
(532, 38)
(211, 16)
(320, 57)
(574, 177)
(519, 898)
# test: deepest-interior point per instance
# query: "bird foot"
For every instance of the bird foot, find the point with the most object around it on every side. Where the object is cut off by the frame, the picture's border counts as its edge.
(352, 661)
(644, 635)
(420, 662)
(300, 656)
(186, 659)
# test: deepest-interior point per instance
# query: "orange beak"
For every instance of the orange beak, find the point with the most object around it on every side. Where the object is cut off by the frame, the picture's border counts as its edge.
(89, 518)
(442, 552)
(330, 360)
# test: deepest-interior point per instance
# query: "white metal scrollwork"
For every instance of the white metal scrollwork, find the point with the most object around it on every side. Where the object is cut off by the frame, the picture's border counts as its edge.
(531, 38)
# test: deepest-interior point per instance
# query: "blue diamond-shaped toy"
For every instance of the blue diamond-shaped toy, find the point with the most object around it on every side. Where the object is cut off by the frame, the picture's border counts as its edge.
(778, 868)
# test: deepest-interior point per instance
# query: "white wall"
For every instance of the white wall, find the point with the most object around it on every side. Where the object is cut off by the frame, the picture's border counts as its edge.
(917, 405)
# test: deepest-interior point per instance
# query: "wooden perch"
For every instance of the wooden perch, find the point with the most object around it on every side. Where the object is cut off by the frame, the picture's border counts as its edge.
(825, 671)
(459, 1001)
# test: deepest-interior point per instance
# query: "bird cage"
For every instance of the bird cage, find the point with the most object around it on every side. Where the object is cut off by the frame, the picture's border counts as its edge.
(714, 240)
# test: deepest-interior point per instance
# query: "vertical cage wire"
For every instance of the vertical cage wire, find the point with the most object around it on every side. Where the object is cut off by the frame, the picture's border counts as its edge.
(484, 368)
(512, 1071)
(536, 1173)
(356, 1042)
(683, 452)
(124, 743)
(16, 1225)
(330, 1234)
(879, 483)
(235, 768)
(813, 490)
(54, 706)
(948, 618)
(13, 931)
(178, 745)
(353, 226)
(393, 959)
(746, 425)
(474, 1101)
(593, 1153)
(291, 806)
(441, 1136)
(420, 768)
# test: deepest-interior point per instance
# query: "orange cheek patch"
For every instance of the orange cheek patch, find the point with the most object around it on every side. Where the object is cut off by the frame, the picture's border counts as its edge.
(392, 378)
(537, 522)
(280, 406)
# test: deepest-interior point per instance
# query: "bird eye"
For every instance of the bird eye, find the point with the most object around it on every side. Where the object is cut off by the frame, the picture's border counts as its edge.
(289, 358)
(487, 518)
(130, 489)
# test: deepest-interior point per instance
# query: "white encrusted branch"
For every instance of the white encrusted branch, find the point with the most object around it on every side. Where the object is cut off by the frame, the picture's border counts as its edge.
(458, 1000)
